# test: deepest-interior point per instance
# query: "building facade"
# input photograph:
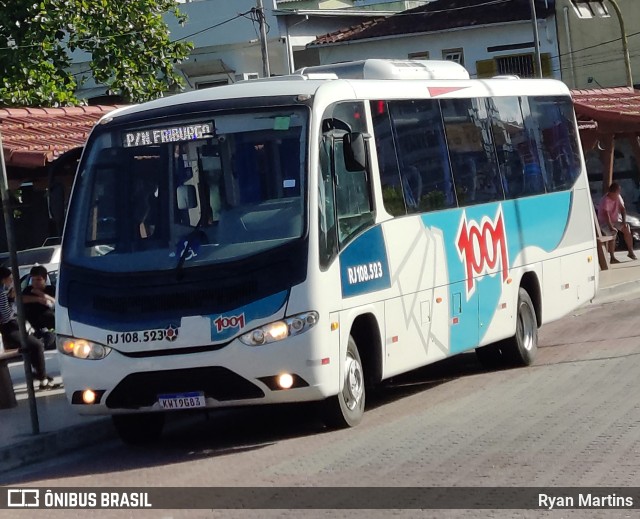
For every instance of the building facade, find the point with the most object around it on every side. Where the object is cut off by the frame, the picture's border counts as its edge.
(227, 42)
(487, 38)
(590, 42)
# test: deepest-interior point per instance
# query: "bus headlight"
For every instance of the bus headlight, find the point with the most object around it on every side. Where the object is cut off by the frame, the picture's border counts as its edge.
(81, 348)
(278, 330)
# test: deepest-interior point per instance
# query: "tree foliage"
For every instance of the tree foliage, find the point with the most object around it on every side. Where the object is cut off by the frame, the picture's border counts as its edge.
(128, 45)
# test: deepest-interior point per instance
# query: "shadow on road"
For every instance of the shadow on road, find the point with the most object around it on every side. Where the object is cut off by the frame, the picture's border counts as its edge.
(192, 436)
(425, 378)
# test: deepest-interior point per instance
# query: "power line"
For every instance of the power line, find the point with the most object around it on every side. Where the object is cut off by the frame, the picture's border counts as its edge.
(253, 16)
(401, 13)
(130, 33)
(240, 15)
(492, 2)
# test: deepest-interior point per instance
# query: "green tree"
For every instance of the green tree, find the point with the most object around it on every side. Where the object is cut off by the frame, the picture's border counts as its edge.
(128, 43)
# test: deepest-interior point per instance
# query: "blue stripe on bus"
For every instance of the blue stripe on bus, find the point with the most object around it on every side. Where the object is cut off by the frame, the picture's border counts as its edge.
(229, 324)
(529, 222)
(364, 266)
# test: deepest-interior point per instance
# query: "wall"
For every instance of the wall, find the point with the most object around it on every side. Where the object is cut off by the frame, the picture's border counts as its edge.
(474, 42)
(225, 47)
(583, 52)
(235, 42)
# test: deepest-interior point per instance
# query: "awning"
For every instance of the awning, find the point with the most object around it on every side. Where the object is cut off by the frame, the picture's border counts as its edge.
(614, 110)
(605, 115)
(33, 137)
(204, 64)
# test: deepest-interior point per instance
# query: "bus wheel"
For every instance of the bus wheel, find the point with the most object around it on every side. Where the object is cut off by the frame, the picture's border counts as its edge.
(347, 407)
(521, 349)
(136, 429)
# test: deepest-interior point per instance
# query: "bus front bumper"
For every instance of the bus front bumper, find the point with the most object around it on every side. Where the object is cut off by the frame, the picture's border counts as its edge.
(237, 375)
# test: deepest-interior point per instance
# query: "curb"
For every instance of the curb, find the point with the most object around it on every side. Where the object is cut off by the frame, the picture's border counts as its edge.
(47, 445)
(617, 292)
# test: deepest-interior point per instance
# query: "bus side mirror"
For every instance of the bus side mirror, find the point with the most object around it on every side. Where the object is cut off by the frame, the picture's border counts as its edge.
(186, 197)
(355, 156)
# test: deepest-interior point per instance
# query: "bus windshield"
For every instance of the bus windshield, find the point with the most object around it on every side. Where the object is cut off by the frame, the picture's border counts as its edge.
(189, 192)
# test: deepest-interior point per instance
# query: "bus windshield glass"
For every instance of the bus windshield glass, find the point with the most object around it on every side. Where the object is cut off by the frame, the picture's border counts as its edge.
(189, 192)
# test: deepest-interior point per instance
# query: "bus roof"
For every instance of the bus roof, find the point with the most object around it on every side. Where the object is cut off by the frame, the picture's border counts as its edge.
(365, 79)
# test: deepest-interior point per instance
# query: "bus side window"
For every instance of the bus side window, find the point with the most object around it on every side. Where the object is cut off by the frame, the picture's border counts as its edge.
(516, 147)
(392, 192)
(353, 196)
(351, 189)
(472, 152)
(421, 155)
(326, 205)
(553, 121)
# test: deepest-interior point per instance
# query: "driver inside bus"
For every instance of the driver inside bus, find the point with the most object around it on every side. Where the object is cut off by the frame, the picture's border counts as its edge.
(145, 205)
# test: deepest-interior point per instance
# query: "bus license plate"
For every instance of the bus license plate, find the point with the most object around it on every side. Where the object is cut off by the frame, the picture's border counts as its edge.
(182, 400)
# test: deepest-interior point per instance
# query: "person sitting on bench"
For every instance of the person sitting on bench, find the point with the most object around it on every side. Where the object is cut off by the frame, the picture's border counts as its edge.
(10, 332)
(612, 217)
(39, 306)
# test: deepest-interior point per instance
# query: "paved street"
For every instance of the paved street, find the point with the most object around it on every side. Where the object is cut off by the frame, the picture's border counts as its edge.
(572, 419)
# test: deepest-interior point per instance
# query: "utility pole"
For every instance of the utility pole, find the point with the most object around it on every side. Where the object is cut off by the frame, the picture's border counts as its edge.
(263, 39)
(625, 46)
(536, 39)
(11, 243)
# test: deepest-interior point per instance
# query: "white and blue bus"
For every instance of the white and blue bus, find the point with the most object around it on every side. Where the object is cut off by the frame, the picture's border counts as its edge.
(303, 238)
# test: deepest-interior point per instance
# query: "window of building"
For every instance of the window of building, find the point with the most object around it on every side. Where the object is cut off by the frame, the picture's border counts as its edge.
(419, 55)
(521, 65)
(590, 8)
(455, 55)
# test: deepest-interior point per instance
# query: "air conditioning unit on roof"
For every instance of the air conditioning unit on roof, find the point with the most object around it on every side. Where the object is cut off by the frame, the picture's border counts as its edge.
(247, 75)
(391, 69)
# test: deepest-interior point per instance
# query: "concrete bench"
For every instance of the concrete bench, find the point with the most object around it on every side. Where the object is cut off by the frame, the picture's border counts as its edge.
(7, 394)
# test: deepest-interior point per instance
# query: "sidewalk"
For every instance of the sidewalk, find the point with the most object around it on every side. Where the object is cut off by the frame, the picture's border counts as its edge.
(62, 429)
(620, 281)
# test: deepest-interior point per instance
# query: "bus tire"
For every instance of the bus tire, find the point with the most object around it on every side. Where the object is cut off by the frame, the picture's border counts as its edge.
(138, 429)
(521, 349)
(347, 407)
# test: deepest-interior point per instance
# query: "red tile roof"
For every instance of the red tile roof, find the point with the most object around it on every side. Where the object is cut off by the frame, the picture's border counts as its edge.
(31, 137)
(613, 108)
(440, 15)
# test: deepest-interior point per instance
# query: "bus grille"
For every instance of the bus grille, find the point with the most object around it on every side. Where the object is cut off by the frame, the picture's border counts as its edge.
(142, 389)
(169, 302)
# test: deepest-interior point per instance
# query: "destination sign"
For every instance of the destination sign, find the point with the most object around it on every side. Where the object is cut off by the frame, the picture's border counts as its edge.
(166, 135)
